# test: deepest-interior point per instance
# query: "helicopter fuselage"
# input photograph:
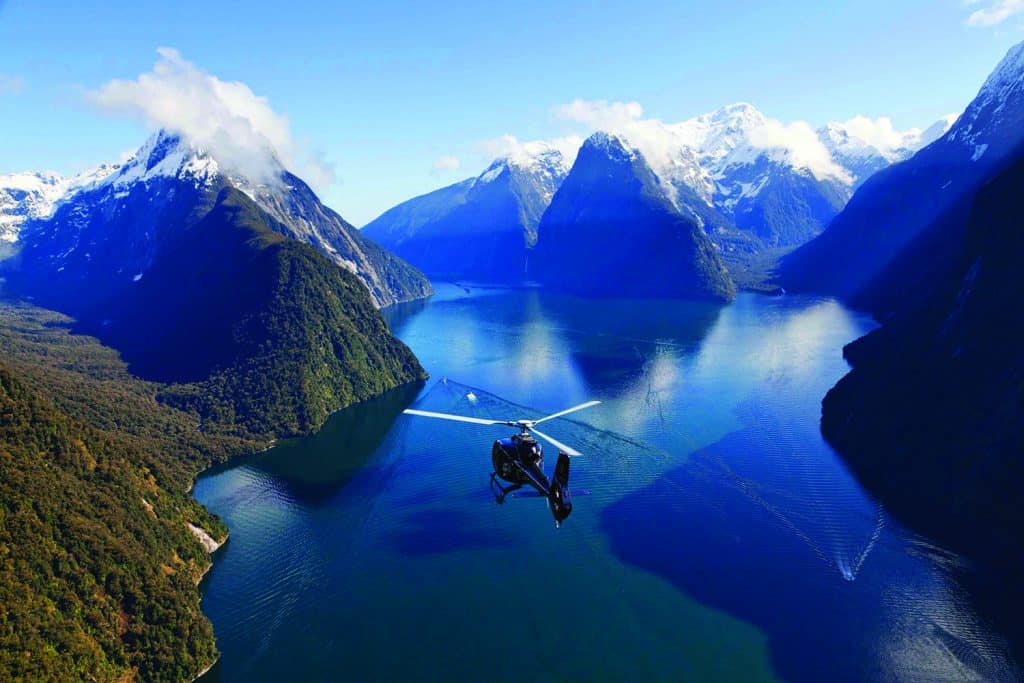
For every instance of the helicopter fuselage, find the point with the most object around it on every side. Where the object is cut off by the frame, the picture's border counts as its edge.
(519, 460)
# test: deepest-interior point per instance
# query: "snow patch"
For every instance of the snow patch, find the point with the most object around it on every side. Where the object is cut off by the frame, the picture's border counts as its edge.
(36, 195)
(492, 173)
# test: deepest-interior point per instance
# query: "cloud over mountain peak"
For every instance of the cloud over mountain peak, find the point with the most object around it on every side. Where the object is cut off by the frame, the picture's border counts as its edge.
(226, 118)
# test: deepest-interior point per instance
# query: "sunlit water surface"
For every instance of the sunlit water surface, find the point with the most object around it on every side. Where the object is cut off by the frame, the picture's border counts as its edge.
(715, 536)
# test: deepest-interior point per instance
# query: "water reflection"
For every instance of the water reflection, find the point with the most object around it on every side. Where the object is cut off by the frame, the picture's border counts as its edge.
(722, 540)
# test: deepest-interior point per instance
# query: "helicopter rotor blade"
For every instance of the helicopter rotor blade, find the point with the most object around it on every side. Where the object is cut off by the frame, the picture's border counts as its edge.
(457, 418)
(556, 443)
(566, 411)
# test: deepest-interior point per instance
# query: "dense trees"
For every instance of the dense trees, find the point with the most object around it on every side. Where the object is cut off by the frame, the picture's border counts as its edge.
(254, 336)
(98, 571)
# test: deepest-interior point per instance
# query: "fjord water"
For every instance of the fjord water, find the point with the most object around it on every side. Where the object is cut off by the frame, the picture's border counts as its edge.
(715, 535)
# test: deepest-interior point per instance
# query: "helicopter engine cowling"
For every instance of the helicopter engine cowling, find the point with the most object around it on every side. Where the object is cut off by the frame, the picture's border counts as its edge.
(507, 452)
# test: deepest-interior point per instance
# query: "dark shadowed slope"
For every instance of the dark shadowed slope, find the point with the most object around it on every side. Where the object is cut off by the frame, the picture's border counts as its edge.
(896, 204)
(482, 228)
(276, 336)
(932, 415)
(611, 231)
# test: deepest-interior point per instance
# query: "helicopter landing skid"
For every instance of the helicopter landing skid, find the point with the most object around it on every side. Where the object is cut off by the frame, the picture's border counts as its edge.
(500, 491)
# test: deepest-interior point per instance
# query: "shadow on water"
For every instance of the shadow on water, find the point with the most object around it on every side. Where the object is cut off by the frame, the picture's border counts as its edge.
(313, 468)
(750, 526)
(397, 315)
(989, 575)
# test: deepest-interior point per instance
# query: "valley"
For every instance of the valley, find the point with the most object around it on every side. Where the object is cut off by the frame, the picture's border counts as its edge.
(796, 331)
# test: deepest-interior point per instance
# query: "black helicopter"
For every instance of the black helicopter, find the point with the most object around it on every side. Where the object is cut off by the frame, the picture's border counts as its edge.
(519, 459)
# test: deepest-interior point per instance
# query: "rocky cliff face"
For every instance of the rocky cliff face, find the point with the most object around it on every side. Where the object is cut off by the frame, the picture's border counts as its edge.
(895, 205)
(482, 228)
(932, 415)
(108, 232)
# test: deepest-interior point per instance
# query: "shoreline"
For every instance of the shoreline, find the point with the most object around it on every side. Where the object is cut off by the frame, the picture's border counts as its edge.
(211, 545)
(206, 670)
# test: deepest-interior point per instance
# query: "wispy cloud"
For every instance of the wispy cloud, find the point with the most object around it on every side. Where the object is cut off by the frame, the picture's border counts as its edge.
(600, 114)
(801, 142)
(509, 146)
(995, 12)
(11, 85)
(239, 128)
(659, 141)
(446, 164)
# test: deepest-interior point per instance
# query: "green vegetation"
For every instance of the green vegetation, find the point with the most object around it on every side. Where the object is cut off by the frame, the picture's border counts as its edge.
(255, 331)
(98, 572)
(245, 336)
(754, 271)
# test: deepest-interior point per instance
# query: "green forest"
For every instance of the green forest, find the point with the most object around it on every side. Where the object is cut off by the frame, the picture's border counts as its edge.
(98, 571)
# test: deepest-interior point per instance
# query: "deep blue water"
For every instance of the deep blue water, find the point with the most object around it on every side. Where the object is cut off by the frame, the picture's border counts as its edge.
(715, 535)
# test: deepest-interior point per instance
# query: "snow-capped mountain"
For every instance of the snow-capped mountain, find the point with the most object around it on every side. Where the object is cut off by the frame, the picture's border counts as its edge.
(854, 147)
(998, 107)
(750, 182)
(481, 227)
(782, 184)
(611, 230)
(35, 194)
(110, 232)
(872, 247)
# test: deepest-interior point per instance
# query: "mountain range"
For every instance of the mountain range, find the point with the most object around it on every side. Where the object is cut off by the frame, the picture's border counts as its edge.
(610, 217)
(118, 215)
(931, 416)
(857, 257)
(749, 194)
(483, 227)
(244, 293)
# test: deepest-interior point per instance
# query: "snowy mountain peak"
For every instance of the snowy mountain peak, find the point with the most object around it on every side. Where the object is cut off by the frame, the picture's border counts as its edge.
(34, 195)
(612, 144)
(937, 130)
(530, 158)
(999, 106)
(864, 138)
(739, 116)
(1009, 73)
(166, 155)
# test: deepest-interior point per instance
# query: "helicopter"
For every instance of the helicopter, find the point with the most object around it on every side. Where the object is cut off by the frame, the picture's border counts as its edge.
(519, 459)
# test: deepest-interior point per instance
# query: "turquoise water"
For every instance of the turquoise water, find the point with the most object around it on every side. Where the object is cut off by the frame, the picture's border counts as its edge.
(715, 535)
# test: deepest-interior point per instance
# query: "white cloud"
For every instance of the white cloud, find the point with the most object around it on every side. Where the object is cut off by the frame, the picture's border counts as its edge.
(800, 144)
(238, 127)
(655, 140)
(511, 147)
(661, 142)
(879, 133)
(11, 85)
(600, 114)
(446, 164)
(996, 12)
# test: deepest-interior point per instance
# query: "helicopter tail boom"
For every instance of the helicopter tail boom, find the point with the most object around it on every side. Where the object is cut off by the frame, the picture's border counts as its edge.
(559, 497)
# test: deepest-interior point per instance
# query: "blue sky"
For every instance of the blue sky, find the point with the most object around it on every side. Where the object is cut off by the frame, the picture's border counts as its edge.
(379, 93)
